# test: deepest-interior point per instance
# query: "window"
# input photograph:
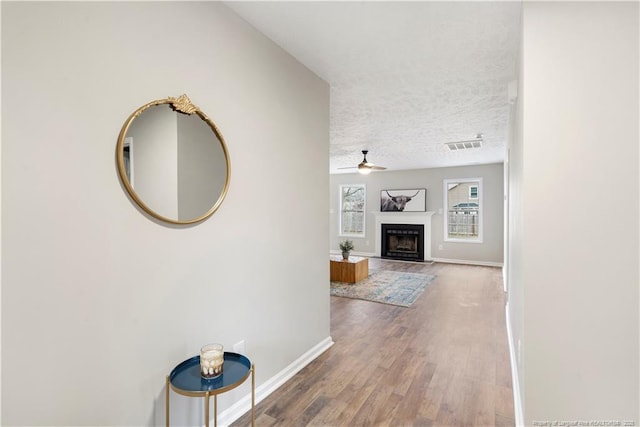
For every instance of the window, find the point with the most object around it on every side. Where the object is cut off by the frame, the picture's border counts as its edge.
(463, 206)
(473, 192)
(352, 209)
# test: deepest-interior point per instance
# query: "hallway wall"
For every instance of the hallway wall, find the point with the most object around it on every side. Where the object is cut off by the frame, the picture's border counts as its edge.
(575, 186)
(99, 301)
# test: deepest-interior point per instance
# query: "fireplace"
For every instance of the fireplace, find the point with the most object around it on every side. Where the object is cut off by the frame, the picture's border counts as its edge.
(402, 242)
(417, 218)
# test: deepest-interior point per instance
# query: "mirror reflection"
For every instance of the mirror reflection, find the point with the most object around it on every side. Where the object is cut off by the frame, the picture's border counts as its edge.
(173, 163)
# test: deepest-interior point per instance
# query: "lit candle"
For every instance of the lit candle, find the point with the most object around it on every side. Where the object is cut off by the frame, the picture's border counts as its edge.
(211, 360)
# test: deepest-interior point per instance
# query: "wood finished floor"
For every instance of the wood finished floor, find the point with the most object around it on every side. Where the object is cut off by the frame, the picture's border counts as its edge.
(444, 361)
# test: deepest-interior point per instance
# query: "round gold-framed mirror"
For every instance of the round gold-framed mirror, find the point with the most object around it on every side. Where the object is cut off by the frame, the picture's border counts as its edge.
(173, 161)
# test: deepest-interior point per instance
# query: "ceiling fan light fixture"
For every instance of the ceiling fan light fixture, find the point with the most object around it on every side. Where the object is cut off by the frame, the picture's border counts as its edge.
(364, 170)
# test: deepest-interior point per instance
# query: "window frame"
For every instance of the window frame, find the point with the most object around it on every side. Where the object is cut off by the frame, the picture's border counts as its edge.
(471, 197)
(445, 214)
(341, 232)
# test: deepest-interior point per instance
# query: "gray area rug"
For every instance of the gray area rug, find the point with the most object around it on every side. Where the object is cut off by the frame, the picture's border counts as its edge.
(388, 287)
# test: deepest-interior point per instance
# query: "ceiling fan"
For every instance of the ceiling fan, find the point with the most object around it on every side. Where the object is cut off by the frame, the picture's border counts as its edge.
(365, 167)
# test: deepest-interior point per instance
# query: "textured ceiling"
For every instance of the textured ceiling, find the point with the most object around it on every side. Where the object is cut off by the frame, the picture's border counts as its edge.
(405, 77)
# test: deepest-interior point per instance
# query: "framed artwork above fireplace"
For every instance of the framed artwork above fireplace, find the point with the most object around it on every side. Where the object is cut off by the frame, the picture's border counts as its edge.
(412, 200)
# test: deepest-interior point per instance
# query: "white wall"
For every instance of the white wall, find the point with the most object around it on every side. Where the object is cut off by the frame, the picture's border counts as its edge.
(490, 251)
(577, 190)
(99, 301)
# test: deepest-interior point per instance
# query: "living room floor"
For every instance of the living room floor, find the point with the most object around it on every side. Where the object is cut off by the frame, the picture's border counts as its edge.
(444, 361)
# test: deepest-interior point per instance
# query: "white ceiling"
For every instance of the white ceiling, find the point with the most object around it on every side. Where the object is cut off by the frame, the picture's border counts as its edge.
(405, 77)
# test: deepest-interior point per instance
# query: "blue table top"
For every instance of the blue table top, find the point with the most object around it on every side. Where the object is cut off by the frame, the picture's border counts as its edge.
(186, 376)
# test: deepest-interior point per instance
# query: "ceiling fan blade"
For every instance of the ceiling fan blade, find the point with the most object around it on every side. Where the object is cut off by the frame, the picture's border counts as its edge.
(365, 167)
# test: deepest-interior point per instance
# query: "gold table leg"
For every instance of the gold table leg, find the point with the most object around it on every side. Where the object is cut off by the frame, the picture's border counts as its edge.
(206, 409)
(253, 395)
(166, 410)
(215, 409)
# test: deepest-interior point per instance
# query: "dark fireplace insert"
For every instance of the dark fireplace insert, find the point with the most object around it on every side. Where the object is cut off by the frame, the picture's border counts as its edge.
(403, 242)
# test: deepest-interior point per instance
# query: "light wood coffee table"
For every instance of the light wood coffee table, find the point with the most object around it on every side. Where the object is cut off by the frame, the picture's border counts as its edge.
(349, 271)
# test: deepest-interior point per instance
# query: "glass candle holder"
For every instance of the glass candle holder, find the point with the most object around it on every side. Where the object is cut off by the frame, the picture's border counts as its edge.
(211, 360)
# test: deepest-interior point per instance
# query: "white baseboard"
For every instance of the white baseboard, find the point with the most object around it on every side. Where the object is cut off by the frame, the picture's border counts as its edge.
(444, 260)
(242, 406)
(517, 400)
(469, 262)
(365, 254)
(504, 278)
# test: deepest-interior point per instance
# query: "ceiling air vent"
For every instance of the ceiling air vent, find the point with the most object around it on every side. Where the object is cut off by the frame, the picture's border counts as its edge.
(465, 145)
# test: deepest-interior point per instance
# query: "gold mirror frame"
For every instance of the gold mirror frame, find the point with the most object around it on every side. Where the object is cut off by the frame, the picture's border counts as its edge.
(182, 104)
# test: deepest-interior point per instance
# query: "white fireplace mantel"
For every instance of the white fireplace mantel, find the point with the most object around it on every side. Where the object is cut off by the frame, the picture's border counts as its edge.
(417, 218)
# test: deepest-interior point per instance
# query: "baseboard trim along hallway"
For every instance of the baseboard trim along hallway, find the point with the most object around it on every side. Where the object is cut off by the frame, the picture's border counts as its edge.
(517, 400)
(243, 405)
(468, 262)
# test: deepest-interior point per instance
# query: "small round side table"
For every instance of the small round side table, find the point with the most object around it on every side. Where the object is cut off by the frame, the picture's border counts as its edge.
(185, 379)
